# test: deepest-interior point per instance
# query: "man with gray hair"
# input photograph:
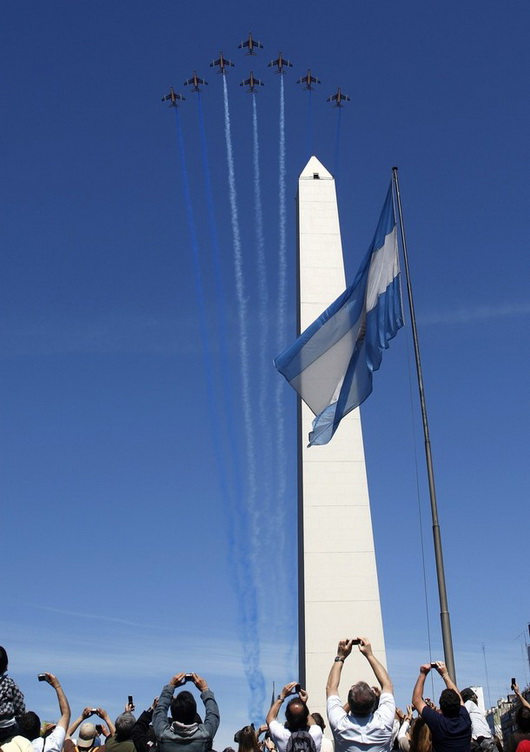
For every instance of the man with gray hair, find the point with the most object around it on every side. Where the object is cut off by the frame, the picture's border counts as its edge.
(366, 725)
(121, 740)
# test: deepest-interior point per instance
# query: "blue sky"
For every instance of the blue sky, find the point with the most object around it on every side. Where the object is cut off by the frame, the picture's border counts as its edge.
(129, 553)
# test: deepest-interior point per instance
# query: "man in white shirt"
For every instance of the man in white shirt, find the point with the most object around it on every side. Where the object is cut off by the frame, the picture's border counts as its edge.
(29, 723)
(367, 726)
(297, 717)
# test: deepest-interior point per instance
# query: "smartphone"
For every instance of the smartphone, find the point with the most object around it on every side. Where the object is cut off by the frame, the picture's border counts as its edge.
(514, 681)
(93, 711)
(188, 677)
(357, 641)
(295, 690)
(41, 677)
(130, 700)
(433, 664)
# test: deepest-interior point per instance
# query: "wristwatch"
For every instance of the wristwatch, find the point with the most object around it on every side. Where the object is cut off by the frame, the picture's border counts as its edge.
(338, 658)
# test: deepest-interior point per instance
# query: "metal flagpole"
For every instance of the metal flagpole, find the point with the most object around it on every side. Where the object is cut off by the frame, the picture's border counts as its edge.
(442, 594)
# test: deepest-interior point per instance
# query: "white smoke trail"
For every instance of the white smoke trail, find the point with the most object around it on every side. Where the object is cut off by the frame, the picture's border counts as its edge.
(251, 640)
(263, 291)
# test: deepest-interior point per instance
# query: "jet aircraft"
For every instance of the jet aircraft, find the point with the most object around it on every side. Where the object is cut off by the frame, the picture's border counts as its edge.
(252, 82)
(222, 62)
(308, 80)
(280, 63)
(195, 82)
(251, 43)
(173, 97)
(338, 98)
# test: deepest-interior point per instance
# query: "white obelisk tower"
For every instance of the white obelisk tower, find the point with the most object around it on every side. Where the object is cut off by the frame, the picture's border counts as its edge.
(338, 587)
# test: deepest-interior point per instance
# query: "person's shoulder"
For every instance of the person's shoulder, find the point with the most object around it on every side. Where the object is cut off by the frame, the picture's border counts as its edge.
(58, 734)
(277, 730)
(386, 710)
(430, 715)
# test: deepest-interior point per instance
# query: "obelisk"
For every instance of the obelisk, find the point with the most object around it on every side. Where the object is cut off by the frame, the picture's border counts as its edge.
(338, 586)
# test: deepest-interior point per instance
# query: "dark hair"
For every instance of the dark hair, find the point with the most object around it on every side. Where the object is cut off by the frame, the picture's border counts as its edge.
(421, 739)
(362, 699)
(522, 719)
(29, 725)
(319, 720)
(450, 703)
(296, 714)
(124, 724)
(467, 694)
(3, 660)
(184, 707)
(247, 740)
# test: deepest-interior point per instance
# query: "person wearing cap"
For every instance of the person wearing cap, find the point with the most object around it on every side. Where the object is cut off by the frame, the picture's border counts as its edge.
(88, 737)
(30, 725)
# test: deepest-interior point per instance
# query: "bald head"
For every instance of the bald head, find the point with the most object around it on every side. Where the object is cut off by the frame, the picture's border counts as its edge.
(296, 715)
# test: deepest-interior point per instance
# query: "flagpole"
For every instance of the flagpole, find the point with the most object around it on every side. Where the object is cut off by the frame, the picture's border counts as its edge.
(442, 593)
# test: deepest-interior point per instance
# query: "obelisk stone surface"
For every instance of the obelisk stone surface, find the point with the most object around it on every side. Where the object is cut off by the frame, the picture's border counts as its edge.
(338, 586)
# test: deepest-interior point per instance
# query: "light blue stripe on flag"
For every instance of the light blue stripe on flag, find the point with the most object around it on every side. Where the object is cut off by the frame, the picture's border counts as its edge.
(331, 364)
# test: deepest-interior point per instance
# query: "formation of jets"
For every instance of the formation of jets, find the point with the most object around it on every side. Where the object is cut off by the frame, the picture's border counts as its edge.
(251, 82)
(281, 64)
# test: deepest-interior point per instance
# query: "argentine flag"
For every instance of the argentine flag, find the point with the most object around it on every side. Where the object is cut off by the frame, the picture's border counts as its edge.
(331, 364)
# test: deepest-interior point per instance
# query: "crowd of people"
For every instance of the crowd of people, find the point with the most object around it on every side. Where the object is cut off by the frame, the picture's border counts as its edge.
(368, 721)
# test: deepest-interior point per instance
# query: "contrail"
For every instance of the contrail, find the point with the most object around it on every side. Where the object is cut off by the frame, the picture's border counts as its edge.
(264, 511)
(222, 314)
(199, 288)
(282, 308)
(235, 531)
(251, 649)
(263, 291)
(279, 422)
